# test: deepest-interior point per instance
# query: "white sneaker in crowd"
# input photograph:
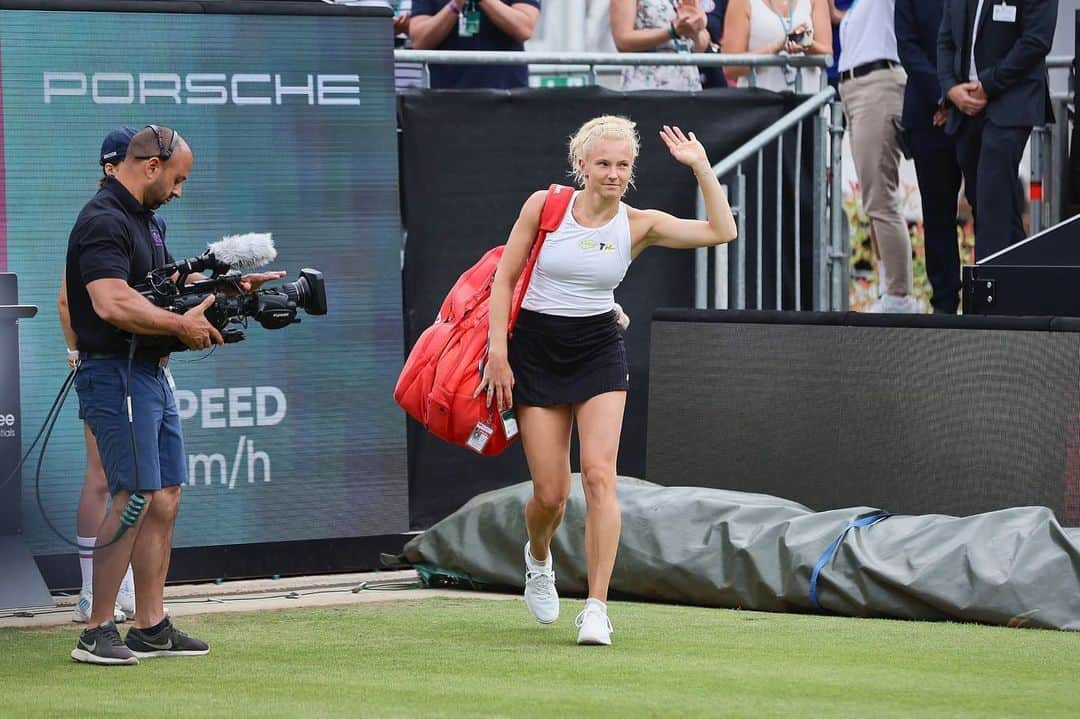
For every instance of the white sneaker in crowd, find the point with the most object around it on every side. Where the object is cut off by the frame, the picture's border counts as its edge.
(896, 304)
(594, 625)
(540, 594)
(125, 598)
(85, 605)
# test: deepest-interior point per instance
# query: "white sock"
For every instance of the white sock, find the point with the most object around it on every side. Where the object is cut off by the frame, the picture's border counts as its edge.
(546, 564)
(592, 602)
(86, 562)
(127, 585)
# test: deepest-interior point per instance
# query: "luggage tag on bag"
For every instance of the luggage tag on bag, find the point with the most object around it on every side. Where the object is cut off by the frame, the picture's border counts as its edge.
(509, 423)
(481, 433)
(1004, 13)
(469, 20)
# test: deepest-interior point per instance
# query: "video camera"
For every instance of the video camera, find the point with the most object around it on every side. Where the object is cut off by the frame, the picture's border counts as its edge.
(272, 307)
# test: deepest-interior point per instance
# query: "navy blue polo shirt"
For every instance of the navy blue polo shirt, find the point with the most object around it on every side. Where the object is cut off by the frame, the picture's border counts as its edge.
(832, 71)
(114, 237)
(489, 37)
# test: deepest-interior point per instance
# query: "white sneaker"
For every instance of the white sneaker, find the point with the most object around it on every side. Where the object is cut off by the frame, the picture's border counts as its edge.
(594, 626)
(540, 594)
(85, 605)
(125, 599)
(896, 304)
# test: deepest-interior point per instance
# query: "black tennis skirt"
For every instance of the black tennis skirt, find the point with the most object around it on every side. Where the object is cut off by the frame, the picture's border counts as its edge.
(563, 360)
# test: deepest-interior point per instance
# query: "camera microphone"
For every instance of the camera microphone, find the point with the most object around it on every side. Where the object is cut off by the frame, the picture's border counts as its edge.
(244, 252)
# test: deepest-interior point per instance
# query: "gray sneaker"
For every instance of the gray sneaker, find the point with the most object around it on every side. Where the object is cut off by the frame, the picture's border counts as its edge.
(169, 642)
(102, 645)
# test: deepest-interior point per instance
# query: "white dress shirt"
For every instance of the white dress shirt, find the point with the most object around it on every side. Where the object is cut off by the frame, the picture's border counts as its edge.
(868, 33)
(973, 73)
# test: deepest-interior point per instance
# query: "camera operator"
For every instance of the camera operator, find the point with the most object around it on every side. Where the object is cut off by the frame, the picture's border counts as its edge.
(124, 392)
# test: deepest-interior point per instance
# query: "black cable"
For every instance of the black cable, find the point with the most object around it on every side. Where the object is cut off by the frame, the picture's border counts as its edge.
(128, 401)
(197, 359)
(60, 398)
(48, 428)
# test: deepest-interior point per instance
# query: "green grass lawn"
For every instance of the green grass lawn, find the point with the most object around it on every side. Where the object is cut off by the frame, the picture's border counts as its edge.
(482, 658)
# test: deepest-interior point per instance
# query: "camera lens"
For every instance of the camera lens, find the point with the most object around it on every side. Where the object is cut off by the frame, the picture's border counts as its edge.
(308, 292)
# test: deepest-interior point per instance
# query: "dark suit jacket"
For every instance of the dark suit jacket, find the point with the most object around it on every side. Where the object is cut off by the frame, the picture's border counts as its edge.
(714, 19)
(1010, 57)
(917, 23)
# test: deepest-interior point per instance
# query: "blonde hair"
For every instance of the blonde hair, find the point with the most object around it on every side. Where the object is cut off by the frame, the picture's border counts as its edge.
(609, 127)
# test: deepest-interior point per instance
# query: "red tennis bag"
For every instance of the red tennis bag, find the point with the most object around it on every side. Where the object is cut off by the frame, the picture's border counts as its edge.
(445, 365)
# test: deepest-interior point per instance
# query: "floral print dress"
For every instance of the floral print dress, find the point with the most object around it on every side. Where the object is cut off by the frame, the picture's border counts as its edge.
(655, 14)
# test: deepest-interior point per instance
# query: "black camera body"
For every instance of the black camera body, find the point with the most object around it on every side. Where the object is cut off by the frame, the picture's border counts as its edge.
(271, 307)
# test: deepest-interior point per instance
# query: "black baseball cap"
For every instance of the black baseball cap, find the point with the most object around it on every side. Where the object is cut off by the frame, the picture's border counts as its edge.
(115, 145)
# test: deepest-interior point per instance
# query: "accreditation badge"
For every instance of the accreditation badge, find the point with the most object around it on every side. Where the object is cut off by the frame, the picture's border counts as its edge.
(469, 20)
(1004, 13)
(509, 423)
(480, 436)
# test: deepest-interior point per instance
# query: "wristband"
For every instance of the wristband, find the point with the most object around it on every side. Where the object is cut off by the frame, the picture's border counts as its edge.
(671, 31)
(72, 352)
(453, 6)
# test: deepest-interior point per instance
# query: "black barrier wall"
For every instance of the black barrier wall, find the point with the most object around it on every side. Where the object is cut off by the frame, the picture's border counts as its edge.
(469, 160)
(1074, 158)
(954, 415)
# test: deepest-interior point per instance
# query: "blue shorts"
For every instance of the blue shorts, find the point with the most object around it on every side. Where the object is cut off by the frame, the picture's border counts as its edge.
(161, 457)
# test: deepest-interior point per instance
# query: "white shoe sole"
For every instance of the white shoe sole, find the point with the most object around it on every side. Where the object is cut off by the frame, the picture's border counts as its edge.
(171, 653)
(545, 622)
(81, 655)
(594, 641)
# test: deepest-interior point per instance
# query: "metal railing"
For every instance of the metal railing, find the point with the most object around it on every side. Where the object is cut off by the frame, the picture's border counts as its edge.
(829, 262)
(588, 62)
(729, 278)
(831, 270)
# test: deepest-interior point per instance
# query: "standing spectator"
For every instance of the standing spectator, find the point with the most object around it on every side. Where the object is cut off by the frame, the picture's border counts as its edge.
(474, 25)
(934, 152)
(872, 91)
(406, 74)
(837, 8)
(766, 27)
(714, 23)
(659, 26)
(95, 490)
(992, 70)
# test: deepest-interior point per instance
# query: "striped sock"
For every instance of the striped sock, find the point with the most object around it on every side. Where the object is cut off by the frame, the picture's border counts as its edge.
(86, 562)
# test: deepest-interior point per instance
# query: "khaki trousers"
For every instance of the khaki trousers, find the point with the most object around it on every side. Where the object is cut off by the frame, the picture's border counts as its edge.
(870, 103)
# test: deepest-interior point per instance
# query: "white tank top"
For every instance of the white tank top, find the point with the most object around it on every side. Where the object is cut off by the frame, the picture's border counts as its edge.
(579, 267)
(768, 26)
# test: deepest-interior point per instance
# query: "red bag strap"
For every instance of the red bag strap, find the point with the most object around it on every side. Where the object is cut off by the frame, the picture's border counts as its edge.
(554, 210)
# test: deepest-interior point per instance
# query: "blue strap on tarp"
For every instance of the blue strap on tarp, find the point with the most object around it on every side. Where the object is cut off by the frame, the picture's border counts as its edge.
(827, 555)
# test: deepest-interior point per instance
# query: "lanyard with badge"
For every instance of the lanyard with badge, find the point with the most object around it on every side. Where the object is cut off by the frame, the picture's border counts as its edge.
(787, 24)
(469, 19)
(1004, 12)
